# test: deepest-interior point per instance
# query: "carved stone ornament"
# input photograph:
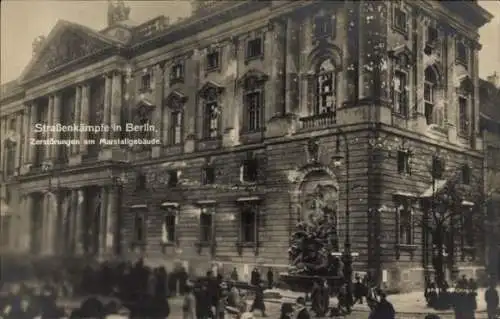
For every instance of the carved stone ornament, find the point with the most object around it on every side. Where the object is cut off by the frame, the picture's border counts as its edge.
(175, 100)
(210, 90)
(313, 150)
(69, 47)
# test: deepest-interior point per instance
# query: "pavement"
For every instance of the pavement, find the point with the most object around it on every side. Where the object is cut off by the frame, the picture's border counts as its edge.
(407, 305)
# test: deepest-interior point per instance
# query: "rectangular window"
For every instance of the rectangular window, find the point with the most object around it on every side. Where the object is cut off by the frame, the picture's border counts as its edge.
(248, 227)
(400, 20)
(438, 167)
(405, 227)
(249, 170)
(12, 124)
(404, 162)
(5, 224)
(169, 227)
(173, 178)
(400, 96)
(177, 73)
(140, 182)
(432, 35)
(463, 114)
(10, 158)
(176, 128)
(213, 60)
(468, 227)
(323, 27)
(326, 91)
(206, 220)
(253, 101)
(254, 48)
(145, 82)
(208, 176)
(466, 174)
(139, 227)
(211, 119)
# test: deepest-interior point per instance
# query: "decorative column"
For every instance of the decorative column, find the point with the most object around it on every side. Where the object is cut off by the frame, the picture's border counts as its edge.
(3, 133)
(75, 149)
(26, 136)
(292, 63)
(31, 149)
(56, 118)
(192, 84)
(116, 103)
(158, 111)
(305, 107)
(230, 114)
(112, 220)
(79, 208)
(48, 148)
(103, 221)
(19, 139)
(449, 62)
(84, 115)
(107, 102)
(475, 114)
(373, 52)
(26, 239)
(352, 62)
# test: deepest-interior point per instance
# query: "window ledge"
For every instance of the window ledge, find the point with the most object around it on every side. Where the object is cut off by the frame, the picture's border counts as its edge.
(400, 30)
(469, 248)
(252, 58)
(168, 244)
(138, 244)
(145, 90)
(406, 247)
(176, 80)
(401, 116)
(246, 244)
(212, 69)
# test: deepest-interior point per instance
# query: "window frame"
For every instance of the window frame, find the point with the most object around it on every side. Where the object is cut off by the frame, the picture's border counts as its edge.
(176, 127)
(463, 114)
(254, 114)
(466, 174)
(468, 236)
(140, 214)
(244, 170)
(438, 172)
(204, 176)
(10, 148)
(171, 174)
(146, 84)
(404, 157)
(318, 94)
(459, 59)
(430, 102)
(400, 95)
(171, 212)
(249, 55)
(327, 29)
(205, 211)
(211, 125)
(397, 11)
(211, 53)
(406, 228)
(175, 75)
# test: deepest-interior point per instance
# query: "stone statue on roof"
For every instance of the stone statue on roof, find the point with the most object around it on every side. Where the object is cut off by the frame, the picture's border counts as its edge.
(117, 12)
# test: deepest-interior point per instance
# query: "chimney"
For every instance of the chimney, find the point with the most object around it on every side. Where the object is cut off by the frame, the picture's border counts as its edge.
(494, 79)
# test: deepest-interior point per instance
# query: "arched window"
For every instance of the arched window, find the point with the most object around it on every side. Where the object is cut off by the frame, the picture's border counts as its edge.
(430, 87)
(325, 88)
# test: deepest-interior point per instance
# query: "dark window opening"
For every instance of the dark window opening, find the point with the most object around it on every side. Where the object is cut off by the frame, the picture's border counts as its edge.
(250, 170)
(173, 178)
(208, 175)
(248, 226)
(323, 27)
(169, 227)
(253, 101)
(213, 60)
(438, 167)
(404, 162)
(254, 48)
(146, 82)
(141, 182)
(139, 228)
(400, 20)
(400, 93)
(206, 220)
(211, 118)
(463, 114)
(432, 35)
(177, 72)
(176, 127)
(466, 174)
(461, 53)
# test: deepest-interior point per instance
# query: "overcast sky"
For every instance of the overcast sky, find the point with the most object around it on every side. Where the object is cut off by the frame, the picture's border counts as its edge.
(23, 20)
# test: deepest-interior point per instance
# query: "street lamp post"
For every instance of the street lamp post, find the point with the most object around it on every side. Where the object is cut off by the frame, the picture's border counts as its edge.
(347, 255)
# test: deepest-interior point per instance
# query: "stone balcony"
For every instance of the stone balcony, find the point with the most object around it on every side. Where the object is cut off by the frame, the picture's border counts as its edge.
(322, 120)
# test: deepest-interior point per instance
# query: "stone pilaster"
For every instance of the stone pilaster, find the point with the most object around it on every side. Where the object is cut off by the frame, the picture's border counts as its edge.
(108, 88)
(292, 67)
(451, 97)
(116, 103)
(475, 114)
(75, 149)
(19, 139)
(420, 123)
(192, 84)
(47, 148)
(56, 118)
(113, 227)
(103, 222)
(230, 114)
(276, 109)
(157, 117)
(306, 40)
(26, 137)
(84, 115)
(352, 62)
(31, 149)
(79, 205)
(26, 221)
(3, 133)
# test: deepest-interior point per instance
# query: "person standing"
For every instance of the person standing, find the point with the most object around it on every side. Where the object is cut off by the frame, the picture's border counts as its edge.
(270, 278)
(492, 301)
(189, 304)
(384, 309)
(234, 275)
(255, 277)
(302, 312)
(258, 302)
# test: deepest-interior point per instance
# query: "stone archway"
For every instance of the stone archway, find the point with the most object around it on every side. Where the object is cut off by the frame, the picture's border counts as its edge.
(316, 192)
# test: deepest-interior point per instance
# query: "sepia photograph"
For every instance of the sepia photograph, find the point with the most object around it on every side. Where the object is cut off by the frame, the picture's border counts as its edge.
(241, 159)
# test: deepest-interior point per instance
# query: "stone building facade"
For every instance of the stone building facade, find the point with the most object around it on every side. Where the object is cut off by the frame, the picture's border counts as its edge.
(490, 126)
(250, 101)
